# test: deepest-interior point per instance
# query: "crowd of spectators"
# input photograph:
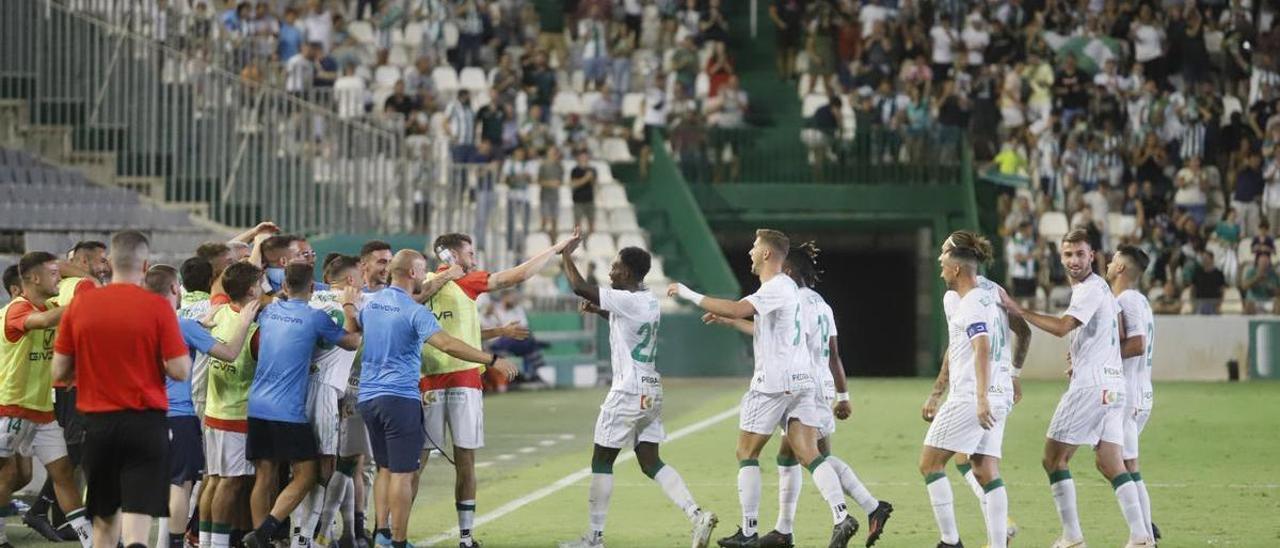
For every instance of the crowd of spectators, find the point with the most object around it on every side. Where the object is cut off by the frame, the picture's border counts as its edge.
(1153, 123)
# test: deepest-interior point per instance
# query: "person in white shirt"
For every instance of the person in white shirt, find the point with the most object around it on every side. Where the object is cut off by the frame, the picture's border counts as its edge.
(317, 25)
(1137, 344)
(944, 39)
(1006, 368)
(300, 70)
(833, 397)
(632, 412)
(1091, 412)
(350, 94)
(971, 421)
(783, 390)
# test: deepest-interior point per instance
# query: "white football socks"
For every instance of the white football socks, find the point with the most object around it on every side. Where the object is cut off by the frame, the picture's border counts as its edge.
(676, 490)
(790, 482)
(828, 483)
(996, 513)
(943, 506)
(852, 485)
(1145, 499)
(1130, 506)
(749, 494)
(1064, 498)
(598, 497)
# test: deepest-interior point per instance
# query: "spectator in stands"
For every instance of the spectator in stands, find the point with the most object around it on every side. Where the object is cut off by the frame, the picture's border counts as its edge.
(507, 313)
(824, 128)
(582, 180)
(491, 119)
(1271, 190)
(535, 133)
(1192, 184)
(1020, 255)
(517, 174)
(300, 71)
(460, 126)
(593, 33)
(350, 93)
(787, 17)
(1262, 242)
(318, 25)
(1169, 300)
(540, 82)
(719, 68)
(550, 178)
(417, 78)
(291, 35)
(399, 102)
(1207, 285)
(654, 115)
(1261, 285)
(1249, 188)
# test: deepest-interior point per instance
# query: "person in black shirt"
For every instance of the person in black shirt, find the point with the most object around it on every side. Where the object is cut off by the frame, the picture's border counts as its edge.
(582, 179)
(491, 118)
(1206, 286)
(1248, 194)
(399, 102)
(1069, 89)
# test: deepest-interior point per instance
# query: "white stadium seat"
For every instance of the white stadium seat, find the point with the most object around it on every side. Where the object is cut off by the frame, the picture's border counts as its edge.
(632, 239)
(472, 78)
(632, 104)
(445, 78)
(812, 103)
(1053, 226)
(611, 196)
(601, 245)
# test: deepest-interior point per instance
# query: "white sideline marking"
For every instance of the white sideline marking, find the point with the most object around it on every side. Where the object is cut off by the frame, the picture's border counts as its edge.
(547, 443)
(575, 477)
(527, 450)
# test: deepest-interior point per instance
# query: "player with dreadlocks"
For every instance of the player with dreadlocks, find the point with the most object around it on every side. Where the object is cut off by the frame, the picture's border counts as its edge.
(818, 324)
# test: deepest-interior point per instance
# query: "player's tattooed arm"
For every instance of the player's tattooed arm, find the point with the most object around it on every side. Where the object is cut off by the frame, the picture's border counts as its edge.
(1020, 347)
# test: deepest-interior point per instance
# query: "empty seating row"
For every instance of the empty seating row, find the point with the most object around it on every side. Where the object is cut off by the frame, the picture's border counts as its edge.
(39, 175)
(88, 217)
(65, 194)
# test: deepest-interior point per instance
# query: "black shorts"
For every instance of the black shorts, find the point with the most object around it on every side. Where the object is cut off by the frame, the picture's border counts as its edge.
(1024, 288)
(64, 409)
(123, 450)
(281, 441)
(186, 450)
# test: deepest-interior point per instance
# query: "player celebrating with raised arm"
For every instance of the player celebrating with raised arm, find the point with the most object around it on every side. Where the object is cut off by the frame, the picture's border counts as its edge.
(452, 388)
(1007, 365)
(389, 400)
(632, 412)
(1091, 411)
(972, 419)
(782, 393)
(824, 351)
(1137, 343)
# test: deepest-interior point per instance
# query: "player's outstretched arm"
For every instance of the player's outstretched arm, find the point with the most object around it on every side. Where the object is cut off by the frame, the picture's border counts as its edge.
(265, 227)
(44, 320)
(720, 307)
(463, 351)
(747, 327)
(524, 271)
(230, 350)
(579, 284)
(512, 330)
(437, 282)
(1058, 326)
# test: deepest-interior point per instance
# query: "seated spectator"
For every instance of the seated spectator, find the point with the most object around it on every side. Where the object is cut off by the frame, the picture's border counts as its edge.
(1192, 184)
(1260, 285)
(823, 127)
(1020, 255)
(399, 102)
(506, 316)
(1207, 285)
(1263, 242)
(1169, 301)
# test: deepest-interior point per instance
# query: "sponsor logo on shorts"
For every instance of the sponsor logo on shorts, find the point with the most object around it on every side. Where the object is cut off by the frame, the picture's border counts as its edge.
(646, 402)
(1109, 397)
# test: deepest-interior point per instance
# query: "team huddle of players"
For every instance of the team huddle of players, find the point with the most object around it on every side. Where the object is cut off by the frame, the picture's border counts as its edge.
(296, 384)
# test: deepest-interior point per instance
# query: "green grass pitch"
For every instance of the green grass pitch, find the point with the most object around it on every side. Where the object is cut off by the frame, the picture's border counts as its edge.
(1209, 458)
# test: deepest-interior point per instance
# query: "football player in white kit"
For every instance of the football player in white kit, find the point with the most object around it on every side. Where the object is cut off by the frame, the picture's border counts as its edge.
(833, 397)
(632, 412)
(1091, 412)
(330, 375)
(1137, 342)
(783, 390)
(971, 421)
(1008, 365)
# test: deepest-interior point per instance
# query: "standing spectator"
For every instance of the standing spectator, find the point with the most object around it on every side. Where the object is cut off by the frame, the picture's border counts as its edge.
(491, 118)
(582, 179)
(507, 314)
(720, 68)
(460, 126)
(1020, 254)
(318, 25)
(1249, 189)
(1271, 192)
(300, 71)
(1207, 285)
(517, 176)
(1260, 285)
(944, 45)
(1071, 91)
(1148, 43)
(289, 42)
(684, 62)
(540, 82)
(550, 178)
(118, 343)
(823, 128)
(593, 33)
(787, 17)
(350, 93)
